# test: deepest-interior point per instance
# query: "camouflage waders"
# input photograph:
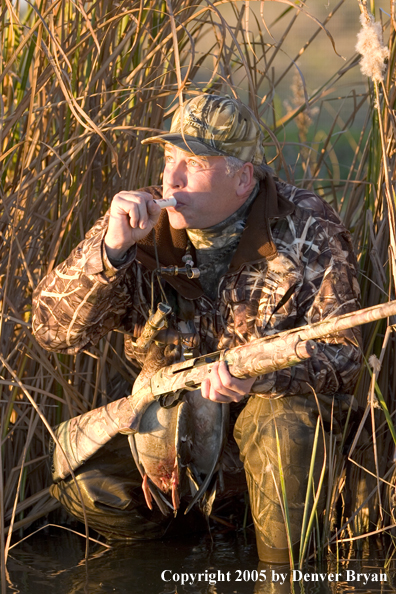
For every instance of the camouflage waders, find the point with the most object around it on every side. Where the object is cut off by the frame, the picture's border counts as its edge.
(294, 420)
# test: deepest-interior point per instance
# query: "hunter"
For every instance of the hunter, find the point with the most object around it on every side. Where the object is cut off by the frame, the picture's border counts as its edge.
(263, 256)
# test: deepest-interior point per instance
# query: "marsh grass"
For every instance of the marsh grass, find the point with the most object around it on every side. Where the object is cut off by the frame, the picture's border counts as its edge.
(80, 85)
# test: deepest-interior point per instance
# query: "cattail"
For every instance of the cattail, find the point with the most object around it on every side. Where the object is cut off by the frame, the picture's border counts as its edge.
(375, 364)
(371, 47)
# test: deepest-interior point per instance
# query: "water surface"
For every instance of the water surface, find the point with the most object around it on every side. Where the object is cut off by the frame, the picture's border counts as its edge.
(216, 563)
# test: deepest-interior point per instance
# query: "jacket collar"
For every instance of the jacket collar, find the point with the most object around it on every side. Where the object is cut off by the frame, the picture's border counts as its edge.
(256, 242)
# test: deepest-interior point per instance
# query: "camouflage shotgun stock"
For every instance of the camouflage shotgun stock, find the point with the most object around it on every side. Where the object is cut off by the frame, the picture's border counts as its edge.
(258, 357)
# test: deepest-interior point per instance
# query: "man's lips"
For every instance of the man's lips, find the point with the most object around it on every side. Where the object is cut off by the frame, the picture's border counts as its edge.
(179, 203)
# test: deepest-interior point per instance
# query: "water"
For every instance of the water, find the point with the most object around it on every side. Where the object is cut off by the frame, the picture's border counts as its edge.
(227, 563)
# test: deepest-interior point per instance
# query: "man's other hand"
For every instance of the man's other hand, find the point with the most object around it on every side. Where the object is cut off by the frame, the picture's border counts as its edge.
(132, 217)
(221, 386)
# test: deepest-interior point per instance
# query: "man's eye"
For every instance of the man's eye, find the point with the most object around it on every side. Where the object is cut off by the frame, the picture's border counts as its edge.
(168, 159)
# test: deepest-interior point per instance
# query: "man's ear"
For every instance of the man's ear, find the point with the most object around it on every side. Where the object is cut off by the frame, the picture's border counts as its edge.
(246, 181)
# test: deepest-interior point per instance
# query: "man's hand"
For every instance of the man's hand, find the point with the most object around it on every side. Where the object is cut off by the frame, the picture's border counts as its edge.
(132, 217)
(221, 386)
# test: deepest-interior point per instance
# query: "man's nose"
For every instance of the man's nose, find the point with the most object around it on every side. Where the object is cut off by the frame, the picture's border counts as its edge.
(175, 175)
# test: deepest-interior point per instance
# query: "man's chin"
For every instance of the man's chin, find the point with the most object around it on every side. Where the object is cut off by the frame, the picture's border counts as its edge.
(177, 222)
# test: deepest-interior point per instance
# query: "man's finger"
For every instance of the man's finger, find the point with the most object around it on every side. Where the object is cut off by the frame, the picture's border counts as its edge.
(232, 384)
(153, 210)
(216, 397)
(134, 215)
(205, 388)
(210, 394)
(143, 215)
(218, 384)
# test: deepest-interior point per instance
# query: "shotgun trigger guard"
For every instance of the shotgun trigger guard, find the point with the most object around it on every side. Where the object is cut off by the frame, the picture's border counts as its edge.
(171, 399)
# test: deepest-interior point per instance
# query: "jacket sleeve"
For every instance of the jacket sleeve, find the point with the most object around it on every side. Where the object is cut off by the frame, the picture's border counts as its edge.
(83, 298)
(329, 288)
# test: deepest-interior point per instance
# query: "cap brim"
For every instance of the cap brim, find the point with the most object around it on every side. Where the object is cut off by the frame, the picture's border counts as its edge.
(185, 143)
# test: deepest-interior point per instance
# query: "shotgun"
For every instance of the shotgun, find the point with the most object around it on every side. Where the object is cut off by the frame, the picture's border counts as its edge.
(257, 357)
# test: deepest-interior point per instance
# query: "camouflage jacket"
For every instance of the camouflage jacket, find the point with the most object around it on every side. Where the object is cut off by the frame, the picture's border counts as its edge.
(294, 265)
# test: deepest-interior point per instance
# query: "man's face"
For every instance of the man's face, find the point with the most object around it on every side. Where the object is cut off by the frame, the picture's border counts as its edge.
(205, 194)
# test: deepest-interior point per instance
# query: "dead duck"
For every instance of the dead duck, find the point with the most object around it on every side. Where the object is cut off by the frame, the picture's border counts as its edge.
(178, 449)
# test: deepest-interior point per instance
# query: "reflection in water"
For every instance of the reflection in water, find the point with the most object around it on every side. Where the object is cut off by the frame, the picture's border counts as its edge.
(221, 564)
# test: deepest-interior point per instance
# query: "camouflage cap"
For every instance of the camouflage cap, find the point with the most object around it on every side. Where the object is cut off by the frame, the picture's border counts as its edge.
(212, 125)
